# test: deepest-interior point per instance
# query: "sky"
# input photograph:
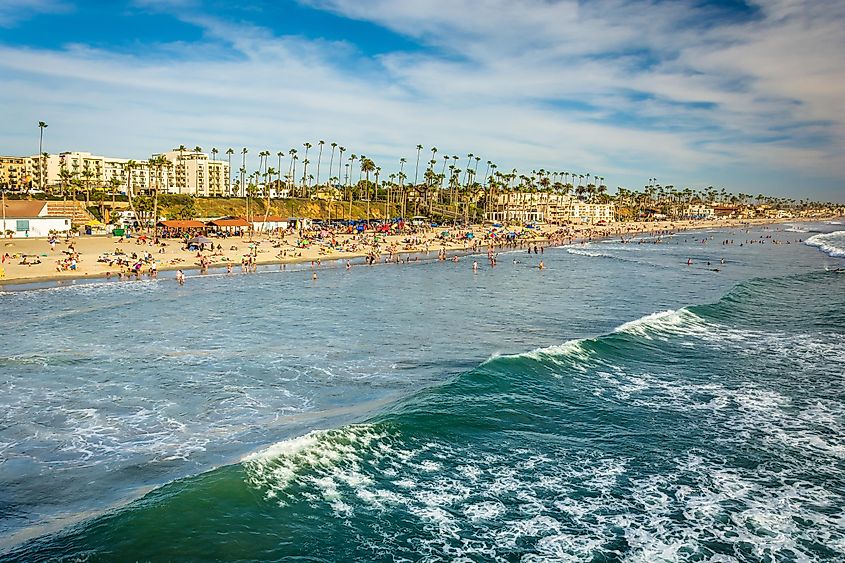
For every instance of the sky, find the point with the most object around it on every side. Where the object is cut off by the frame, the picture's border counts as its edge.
(746, 95)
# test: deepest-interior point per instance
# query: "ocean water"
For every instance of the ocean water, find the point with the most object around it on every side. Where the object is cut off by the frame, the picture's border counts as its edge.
(618, 405)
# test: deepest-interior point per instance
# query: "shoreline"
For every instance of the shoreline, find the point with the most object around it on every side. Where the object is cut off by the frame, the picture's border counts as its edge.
(579, 234)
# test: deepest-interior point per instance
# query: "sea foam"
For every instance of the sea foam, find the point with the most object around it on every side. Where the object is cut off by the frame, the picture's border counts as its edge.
(829, 243)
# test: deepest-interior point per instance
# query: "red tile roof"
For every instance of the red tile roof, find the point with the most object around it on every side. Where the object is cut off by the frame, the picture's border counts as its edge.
(182, 224)
(236, 222)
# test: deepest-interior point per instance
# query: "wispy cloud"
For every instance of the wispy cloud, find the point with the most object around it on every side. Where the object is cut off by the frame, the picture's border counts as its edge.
(626, 88)
(12, 12)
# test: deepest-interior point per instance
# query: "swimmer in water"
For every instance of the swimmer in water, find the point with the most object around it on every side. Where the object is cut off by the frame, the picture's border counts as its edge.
(314, 276)
(180, 277)
(541, 265)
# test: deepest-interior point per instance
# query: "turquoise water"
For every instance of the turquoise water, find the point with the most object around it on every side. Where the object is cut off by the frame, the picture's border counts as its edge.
(619, 405)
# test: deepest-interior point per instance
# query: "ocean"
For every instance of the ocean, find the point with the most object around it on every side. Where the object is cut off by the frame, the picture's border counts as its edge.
(619, 405)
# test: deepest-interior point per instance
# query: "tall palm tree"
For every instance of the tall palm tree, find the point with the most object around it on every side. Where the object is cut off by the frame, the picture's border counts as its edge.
(402, 162)
(305, 163)
(331, 163)
(41, 127)
(319, 158)
(352, 158)
(280, 154)
(417, 170)
(367, 166)
(243, 173)
(214, 152)
(129, 167)
(341, 150)
(181, 164)
(229, 153)
(292, 170)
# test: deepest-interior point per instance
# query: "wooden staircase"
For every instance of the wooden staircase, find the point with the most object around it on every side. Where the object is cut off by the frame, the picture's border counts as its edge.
(73, 209)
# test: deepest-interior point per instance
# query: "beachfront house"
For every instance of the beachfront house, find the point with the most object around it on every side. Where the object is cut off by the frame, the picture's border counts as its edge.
(557, 209)
(699, 211)
(30, 219)
(272, 224)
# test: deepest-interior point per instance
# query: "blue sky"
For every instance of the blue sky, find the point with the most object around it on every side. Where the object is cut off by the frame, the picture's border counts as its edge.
(745, 95)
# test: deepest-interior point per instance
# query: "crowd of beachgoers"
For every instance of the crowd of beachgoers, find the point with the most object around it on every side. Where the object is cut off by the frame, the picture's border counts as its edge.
(142, 254)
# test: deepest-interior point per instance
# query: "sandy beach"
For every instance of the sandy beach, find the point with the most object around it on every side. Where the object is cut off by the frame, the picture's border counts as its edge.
(34, 260)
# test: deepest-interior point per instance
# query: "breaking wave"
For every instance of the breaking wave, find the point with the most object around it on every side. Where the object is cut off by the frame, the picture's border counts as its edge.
(832, 244)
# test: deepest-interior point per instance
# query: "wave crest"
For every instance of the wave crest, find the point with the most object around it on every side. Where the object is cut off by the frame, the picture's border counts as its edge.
(832, 244)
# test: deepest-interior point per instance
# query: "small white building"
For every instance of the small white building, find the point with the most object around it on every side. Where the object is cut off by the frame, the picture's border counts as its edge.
(273, 223)
(30, 219)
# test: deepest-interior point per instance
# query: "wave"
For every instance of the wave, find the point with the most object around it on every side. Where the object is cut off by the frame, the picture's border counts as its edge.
(795, 229)
(832, 244)
(694, 411)
(589, 253)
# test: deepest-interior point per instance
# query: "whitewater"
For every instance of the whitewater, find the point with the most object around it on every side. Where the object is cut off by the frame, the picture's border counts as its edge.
(618, 405)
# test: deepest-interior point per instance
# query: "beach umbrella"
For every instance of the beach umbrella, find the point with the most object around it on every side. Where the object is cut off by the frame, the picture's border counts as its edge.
(200, 240)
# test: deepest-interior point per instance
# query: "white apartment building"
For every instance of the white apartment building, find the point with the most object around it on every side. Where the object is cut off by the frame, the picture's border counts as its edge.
(189, 172)
(530, 207)
(699, 211)
(91, 170)
(192, 173)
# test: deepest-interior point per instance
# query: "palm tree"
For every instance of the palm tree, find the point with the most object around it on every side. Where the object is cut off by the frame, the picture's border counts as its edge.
(157, 163)
(319, 158)
(331, 163)
(305, 163)
(268, 172)
(402, 162)
(129, 167)
(243, 173)
(181, 149)
(280, 154)
(341, 150)
(229, 153)
(41, 126)
(292, 170)
(214, 152)
(367, 166)
(417, 170)
(352, 159)
(65, 176)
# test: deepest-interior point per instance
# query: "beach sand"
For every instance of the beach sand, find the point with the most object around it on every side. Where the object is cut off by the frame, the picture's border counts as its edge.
(270, 250)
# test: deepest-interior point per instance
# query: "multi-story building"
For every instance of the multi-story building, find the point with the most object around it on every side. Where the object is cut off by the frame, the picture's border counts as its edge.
(218, 178)
(13, 174)
(699, 211)
(582, 212)
(530, 207)
(185, 172)
(192, 173)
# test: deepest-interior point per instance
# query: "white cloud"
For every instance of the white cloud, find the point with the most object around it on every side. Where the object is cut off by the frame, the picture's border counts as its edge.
(13, 12)
(528, 84)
